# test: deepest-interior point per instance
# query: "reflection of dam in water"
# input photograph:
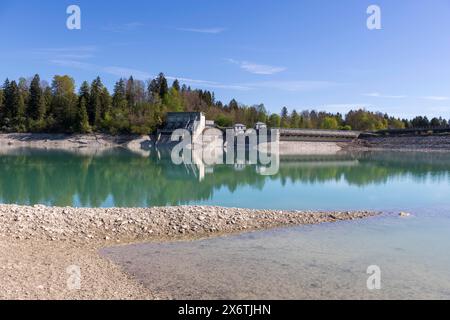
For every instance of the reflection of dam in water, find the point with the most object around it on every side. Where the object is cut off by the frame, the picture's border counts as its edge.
(120, 178)
(200, 161)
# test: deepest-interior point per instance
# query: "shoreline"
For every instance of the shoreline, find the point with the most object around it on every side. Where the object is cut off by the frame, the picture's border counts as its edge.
(143, 144)
(38, 244)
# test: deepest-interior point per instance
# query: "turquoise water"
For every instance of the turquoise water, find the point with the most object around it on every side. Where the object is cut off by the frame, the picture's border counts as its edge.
(309, 262)
(385, 181)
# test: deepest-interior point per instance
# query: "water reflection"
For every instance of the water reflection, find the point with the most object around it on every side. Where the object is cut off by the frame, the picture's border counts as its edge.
(122, 178)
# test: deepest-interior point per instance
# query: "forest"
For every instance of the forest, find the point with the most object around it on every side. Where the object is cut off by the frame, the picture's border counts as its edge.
(139, 107)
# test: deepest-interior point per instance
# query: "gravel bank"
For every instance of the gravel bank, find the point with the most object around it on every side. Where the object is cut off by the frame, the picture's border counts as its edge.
(71, 141)
(289, 148)
(434, 143)
(95, 143)
(138, 224)
(38, 244)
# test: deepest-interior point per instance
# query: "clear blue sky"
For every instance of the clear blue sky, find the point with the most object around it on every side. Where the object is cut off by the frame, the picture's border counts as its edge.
(300, 54)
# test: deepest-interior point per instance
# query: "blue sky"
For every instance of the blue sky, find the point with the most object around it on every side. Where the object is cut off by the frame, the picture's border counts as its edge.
(303, 54)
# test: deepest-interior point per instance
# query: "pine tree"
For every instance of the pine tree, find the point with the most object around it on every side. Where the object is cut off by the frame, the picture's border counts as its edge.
(14, 108)
(1, 99)
(233, 105)
(295, 120)
(36, 103)
(7, 101)
(284, 118)
(163, 86)
(131, 93)
(82, 118)
(94, 102)
(158, 88)
(85, 91)
(176, 85)
(14, 105)
(105, 107)
(119, 100)
(20, 119)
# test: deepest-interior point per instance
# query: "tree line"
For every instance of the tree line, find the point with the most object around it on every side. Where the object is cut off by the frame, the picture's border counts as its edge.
(139, 107)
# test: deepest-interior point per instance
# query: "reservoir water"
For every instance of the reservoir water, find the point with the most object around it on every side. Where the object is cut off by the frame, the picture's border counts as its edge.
(120, 178)
(309, 262)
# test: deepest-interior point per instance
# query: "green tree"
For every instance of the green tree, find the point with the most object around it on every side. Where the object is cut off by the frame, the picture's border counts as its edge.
(63, 104)
(435, 123)
(14, 105)
(233, 105)
(284, 118)
(19, 116)
(295, 120)
(173, 101)
(274, 121)
(119, 99)
(1, 100)
(36, 104)
(329, 123)
(82, 117)
(364, 120)
(105, 107)
(176, 85)
(94, 103)
(85, 92)
(158, 88)
(224, 121)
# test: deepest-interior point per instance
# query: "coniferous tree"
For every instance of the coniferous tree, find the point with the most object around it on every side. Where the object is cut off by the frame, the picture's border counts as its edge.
(7, 101)
(295, 120)
(158, 88)
(94, 104)
(119, 100)
(82, 117)
(233, 105)
(1, 100)
(13, 103)
(19, 114)
(163, 86)
(105, 107)
(85, 92)
(284, 118)
(131, 93)
(36, 103)
(176, 85)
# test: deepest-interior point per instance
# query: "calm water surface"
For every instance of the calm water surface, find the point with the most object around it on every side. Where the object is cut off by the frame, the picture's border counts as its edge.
(386, 181)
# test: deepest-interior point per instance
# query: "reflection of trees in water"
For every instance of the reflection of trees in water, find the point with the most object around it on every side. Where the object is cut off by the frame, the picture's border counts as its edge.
(56, 178)
(371, 168)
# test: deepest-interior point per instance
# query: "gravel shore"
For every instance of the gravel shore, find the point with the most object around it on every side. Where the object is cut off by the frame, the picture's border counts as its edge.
(88, 143)
(432, 143)
(38, 244)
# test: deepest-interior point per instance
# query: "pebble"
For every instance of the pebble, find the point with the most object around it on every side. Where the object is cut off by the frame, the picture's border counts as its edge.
(404, 214)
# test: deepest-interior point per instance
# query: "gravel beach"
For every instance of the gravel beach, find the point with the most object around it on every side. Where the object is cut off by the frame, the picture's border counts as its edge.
(38, 244)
